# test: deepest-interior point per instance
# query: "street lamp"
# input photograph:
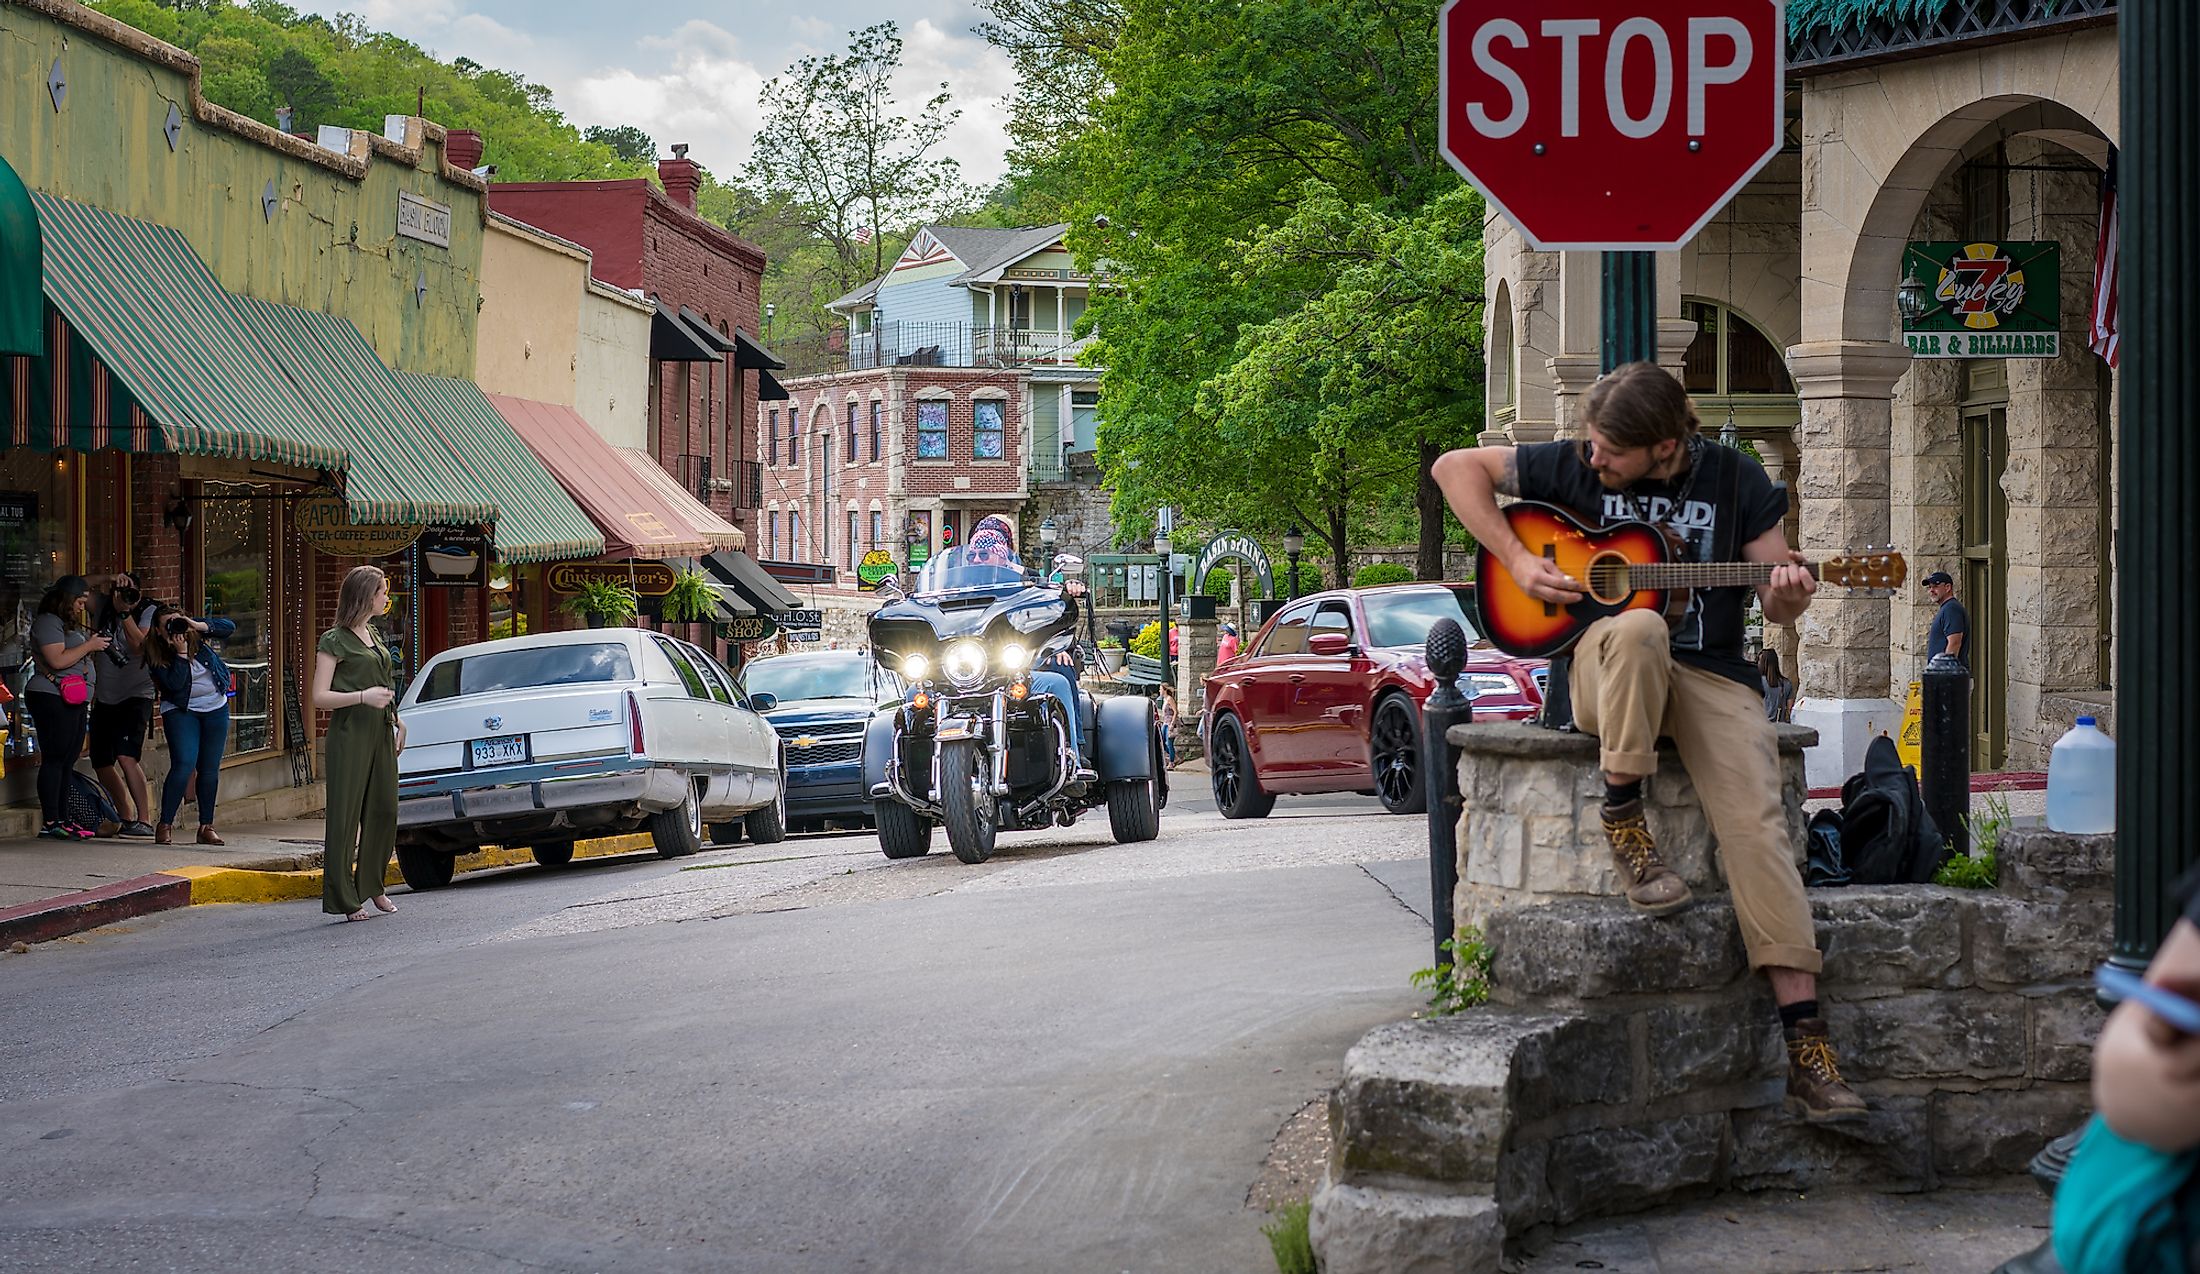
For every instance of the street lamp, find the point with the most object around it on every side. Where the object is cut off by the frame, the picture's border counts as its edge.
(1293, 541)
(769, 310)
(1162, 548)
(1911, 298)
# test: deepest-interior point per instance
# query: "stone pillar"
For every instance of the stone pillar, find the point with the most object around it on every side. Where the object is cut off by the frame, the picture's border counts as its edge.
(1571, 375)
(1675, 335)
(1195, 660)
(1847, 388)
(1777, 451)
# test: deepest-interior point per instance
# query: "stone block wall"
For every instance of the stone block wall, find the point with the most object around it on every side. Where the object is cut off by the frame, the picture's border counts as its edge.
(1625, 1061)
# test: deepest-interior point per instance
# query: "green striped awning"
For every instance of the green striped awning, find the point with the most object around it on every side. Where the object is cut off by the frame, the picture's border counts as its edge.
(176, 341)
(68, 398)
(539, 522)
(21, 305)
(400, 471)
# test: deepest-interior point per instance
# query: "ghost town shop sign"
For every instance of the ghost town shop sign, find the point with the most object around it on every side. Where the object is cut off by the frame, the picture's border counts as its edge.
(423, 219)
(324, 523)
(750, 628)
(1229, 546)
(647, 579)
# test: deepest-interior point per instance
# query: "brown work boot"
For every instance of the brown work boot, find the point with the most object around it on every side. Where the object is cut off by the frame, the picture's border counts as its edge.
(1652, 887)
(1815, 1088)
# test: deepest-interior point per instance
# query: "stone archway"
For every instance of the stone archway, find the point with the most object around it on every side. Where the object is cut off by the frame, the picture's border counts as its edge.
(1875, 148)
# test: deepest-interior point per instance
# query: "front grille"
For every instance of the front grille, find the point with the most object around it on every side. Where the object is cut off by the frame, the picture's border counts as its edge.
(835, 730)
(835, 752)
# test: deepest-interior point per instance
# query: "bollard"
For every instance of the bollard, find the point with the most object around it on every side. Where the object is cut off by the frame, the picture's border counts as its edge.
(1557, 712)
(1446, 707)
(1944, 750)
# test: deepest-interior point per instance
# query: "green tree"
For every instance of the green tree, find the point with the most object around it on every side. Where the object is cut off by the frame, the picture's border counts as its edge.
(837, 152)
(626, 141)
(296, 81)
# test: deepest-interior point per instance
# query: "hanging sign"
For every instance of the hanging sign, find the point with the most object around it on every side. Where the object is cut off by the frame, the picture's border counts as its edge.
(875, 569)
(1986, 300)
(748, 628)
(324, 523)
(800, 618)
(454, 557)
(647, 579)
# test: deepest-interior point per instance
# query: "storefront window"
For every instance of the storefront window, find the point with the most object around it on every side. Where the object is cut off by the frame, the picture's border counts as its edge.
(37, 506)
(237, 560)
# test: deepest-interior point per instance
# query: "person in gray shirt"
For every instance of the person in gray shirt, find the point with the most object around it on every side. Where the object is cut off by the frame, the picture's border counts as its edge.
(64, 670)
(122, 702)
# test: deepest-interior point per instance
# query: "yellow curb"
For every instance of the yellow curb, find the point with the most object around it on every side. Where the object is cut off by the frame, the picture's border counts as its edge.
(230, 884)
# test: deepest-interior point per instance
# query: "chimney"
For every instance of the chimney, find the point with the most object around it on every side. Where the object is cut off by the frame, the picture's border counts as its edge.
(462, 149)
(681, 176)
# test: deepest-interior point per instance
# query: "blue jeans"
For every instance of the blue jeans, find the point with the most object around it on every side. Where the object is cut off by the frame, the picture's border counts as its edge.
(195, 744)
(1054, 683)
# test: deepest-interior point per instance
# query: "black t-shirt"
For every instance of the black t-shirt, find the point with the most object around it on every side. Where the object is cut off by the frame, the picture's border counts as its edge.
(1950, 619)
(1723, 503)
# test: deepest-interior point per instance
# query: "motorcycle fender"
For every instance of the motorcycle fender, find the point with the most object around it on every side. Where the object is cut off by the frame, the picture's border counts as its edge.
(1123, 748)
(959, 728)
(878, 747)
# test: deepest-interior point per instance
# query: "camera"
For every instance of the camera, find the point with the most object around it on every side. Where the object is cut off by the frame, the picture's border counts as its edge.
(177, 625)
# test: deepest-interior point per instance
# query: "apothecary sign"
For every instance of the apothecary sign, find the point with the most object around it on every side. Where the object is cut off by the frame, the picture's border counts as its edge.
(324, 523)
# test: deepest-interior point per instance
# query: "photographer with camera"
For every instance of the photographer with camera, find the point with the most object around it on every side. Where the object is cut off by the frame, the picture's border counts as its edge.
(122, 701)
(64, 669)
(194, 689)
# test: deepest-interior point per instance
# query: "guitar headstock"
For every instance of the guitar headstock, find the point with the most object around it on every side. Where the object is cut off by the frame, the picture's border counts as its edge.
(1865, 570)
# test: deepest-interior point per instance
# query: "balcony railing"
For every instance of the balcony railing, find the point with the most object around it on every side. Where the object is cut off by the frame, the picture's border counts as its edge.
(928, 345)
(1819, 50)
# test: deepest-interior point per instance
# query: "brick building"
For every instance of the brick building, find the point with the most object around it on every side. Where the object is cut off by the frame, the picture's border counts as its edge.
(706, 372)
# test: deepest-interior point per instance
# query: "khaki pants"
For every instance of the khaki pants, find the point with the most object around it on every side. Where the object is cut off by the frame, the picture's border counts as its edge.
(1628, 690)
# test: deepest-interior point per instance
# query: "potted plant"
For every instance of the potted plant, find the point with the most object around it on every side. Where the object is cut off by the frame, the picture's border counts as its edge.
(692, 599)
(603, 604)
(1110, 652)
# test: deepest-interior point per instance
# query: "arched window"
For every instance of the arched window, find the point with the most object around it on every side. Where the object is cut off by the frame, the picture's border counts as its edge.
(1730, 357)
(1501, 355)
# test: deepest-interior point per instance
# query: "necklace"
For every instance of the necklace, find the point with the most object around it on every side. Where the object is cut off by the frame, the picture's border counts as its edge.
(1696, 451)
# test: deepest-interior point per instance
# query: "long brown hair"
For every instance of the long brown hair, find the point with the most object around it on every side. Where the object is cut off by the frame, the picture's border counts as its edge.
(1639, 404)
(161, 649)
(355, 600)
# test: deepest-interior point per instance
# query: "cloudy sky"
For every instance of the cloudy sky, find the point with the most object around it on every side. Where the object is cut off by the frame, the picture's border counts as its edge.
(689, 70)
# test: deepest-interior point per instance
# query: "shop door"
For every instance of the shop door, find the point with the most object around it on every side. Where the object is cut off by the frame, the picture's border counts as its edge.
(1985, 583)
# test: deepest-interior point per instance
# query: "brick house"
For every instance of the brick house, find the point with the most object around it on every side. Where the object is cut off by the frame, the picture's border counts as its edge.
(706, 282)
(951, 392)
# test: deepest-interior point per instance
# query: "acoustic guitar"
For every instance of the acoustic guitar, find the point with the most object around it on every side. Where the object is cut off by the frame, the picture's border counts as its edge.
(1625, 566)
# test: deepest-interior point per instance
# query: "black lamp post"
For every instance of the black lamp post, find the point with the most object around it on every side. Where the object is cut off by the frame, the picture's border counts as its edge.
(1162, 548)
(1048, 534)
(1293, 541)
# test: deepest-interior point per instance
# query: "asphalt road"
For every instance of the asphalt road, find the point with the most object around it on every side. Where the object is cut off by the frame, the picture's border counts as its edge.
(797, 1057)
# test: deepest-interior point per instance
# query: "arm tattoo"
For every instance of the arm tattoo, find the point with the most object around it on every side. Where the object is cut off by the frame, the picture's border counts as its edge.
(1508, 482)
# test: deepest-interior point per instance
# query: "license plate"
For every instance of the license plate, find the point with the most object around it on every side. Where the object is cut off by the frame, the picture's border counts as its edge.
(509, 750)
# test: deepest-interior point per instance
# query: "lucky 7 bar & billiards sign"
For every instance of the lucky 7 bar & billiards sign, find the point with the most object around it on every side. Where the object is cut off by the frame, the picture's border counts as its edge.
(1985, 300)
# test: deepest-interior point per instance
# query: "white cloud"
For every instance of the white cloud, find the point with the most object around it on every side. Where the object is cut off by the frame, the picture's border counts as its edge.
(979, 78)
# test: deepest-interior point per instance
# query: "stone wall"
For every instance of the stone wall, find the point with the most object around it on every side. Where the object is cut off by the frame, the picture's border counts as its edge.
(1625, 1061)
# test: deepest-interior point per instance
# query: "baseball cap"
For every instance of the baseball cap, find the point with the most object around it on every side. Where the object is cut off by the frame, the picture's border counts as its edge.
(1938, 577)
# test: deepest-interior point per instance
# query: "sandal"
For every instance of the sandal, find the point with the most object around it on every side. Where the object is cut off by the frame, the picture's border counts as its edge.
(383, 904)
(360, 914)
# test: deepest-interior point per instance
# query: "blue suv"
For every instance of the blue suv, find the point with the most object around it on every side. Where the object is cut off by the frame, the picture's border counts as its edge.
(826, 701)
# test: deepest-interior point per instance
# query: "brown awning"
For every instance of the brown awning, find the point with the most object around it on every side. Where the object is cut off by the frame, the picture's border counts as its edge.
(637, 519)
(718, 532)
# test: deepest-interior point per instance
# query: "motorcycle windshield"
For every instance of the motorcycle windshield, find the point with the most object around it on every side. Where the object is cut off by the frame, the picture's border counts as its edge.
(962, 570)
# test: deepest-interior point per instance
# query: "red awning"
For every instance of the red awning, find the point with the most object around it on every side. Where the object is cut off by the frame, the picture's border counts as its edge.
(639, 518)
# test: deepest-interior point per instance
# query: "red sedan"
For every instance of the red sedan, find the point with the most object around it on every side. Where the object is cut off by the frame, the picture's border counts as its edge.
(1327, 697)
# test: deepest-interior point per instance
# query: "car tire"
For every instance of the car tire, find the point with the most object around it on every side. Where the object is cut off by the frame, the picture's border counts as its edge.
(971, 827)
(1134, 805)
(902, 832)
(555, 854)
(726, 833)
(426, 868)
(1394, 757)
(768, 826)
(678, 832)
(1230, 774)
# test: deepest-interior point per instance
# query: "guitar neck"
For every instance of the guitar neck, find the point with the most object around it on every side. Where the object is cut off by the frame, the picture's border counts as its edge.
(1662, 576)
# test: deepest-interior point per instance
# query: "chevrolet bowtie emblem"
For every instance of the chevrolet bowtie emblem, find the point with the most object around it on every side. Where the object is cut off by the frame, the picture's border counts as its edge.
(805, 741)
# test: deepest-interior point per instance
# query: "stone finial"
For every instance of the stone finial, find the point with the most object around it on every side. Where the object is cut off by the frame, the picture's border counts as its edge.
(1447, 650)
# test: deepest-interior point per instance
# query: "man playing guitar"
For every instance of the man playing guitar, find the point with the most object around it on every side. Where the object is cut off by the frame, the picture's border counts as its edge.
(1637, 677)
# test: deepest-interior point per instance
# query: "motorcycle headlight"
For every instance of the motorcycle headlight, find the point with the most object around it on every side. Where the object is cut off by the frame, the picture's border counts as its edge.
(964, 662)
(915, 667)
(1014, 658)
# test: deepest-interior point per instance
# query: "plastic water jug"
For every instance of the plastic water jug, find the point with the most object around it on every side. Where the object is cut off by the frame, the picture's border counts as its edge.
(2081, 781)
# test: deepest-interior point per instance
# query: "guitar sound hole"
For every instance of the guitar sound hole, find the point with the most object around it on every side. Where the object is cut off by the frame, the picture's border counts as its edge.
(1607, 578)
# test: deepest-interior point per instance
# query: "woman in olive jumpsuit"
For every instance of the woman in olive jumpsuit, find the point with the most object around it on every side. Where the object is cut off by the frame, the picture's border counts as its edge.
(354, 679)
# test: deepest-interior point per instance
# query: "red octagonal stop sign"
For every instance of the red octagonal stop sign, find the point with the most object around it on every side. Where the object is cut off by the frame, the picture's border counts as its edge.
(1611, 124)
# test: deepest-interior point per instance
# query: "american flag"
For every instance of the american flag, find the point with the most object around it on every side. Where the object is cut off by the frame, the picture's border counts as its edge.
(2101, 334)
(863, 234)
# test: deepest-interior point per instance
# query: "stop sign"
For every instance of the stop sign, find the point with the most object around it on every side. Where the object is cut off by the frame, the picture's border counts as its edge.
(1611, 124)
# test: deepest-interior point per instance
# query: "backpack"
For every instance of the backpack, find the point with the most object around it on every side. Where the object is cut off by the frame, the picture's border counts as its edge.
(1886, 837)
(84, 802)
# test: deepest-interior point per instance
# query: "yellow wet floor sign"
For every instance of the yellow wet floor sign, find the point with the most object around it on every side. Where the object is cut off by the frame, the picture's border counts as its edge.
(1913, 724)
